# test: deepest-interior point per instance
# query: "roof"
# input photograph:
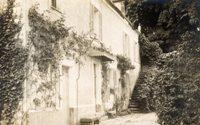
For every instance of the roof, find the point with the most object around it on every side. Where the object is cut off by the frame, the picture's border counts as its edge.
(115, 8)
(111, 4)
(101, 55)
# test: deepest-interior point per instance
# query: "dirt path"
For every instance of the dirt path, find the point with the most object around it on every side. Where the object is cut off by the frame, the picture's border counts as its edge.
(134, 119)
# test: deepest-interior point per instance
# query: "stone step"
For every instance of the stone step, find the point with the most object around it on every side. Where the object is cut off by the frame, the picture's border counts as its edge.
(135, 95)
(133, 103)
(133, 106)
(134, 110)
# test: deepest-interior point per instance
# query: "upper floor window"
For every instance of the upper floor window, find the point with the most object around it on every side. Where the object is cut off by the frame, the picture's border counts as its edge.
(126, 45)
(54, 3)
(96, 22)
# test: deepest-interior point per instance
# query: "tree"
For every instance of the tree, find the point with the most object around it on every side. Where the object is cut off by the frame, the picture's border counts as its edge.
(175, 89)
(12, 60)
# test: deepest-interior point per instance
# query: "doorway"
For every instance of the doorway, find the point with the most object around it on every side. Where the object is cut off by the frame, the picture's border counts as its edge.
(64, 93)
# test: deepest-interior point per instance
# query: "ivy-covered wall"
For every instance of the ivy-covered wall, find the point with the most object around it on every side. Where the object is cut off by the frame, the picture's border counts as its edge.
(13, 58)
(117, 84)
(45, 41)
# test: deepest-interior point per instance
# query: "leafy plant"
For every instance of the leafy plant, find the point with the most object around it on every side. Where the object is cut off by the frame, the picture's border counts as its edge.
(13, 57)
(52, 41)
(173, 28)
(45, 36)
(124, 64)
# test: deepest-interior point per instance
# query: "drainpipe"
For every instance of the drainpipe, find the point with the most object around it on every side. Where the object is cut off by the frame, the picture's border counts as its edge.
(77, 88)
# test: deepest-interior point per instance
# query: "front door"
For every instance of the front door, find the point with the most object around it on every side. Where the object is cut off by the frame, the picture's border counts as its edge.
(64, 93)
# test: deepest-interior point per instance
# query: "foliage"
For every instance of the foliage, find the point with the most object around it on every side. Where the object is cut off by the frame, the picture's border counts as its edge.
(179, 85)
(132, 12)
(149, 51)
(45, 36)
(105, 80)
(145, 89)
(51, 42)
(174, 89)
(124, 64)
(52, 38)
(12, 61)
(45, 39)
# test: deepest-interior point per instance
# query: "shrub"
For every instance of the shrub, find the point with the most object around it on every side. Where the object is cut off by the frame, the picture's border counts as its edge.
(13, 58)
(175, 86)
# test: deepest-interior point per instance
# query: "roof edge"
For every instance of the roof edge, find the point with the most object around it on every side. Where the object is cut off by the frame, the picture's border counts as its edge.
(119, 12)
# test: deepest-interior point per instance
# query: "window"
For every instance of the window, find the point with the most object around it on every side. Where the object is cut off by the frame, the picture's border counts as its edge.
(96, 23)
(126, 45)
(53, 3)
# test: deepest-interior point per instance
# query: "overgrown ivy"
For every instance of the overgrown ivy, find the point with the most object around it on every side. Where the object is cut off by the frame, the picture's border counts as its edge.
(45, 36)
(124, 64)
(52, 41)
(105, 80)
(49, 41)
(13, 57)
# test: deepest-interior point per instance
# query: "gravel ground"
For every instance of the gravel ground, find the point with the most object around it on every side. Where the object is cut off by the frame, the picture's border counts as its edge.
(134, 119)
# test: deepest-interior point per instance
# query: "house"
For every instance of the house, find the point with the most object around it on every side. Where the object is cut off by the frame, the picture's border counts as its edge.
(82, 91)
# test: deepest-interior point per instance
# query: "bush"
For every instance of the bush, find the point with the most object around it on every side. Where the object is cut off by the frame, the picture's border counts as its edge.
(174, 90)
(12, 61)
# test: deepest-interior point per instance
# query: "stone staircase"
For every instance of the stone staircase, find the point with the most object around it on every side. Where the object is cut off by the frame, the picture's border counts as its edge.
(133, 104)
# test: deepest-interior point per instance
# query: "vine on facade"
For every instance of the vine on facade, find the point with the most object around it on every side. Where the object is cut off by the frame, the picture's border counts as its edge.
(52, 41)
(45, 36)
(124, 64)
(13, 57)
(105, 80)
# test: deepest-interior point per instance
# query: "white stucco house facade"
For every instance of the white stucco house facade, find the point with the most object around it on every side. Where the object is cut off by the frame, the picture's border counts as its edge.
(80, 89)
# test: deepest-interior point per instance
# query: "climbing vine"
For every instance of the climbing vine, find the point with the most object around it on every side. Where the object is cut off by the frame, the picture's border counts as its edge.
(124, 64)
(105, 80)
(45, 36)
(13, 58)
(51, 42)
(45, 41)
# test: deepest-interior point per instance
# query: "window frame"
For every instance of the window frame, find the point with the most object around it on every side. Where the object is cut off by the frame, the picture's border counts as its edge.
(95, 12)
(126, 45)
(54, 4)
